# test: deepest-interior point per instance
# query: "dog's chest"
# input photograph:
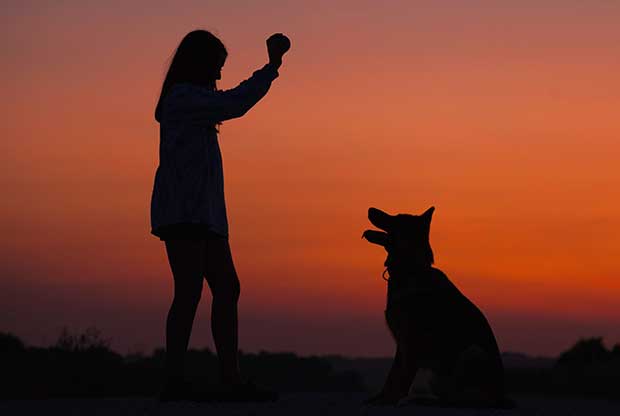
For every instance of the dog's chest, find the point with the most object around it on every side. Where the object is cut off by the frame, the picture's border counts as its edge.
(409, 291)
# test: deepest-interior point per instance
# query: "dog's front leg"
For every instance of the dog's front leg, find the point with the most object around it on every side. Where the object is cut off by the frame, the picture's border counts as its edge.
(387, 395)
(398, 381)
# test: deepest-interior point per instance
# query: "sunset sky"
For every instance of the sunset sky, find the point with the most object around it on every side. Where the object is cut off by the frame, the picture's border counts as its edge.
(504, 115)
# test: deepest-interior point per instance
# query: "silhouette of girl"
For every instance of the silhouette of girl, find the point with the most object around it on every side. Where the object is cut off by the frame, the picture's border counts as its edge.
(188, 211)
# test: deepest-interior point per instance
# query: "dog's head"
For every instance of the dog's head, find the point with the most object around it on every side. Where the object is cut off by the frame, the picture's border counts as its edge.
(405, 238)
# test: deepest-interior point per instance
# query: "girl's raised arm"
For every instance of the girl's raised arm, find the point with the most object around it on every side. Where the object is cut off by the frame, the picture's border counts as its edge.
(193, 103)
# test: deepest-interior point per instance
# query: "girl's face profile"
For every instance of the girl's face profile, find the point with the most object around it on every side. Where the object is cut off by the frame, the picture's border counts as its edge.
(220, 65)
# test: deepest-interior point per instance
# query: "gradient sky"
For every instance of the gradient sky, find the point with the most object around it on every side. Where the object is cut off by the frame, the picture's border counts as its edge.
(503, 115)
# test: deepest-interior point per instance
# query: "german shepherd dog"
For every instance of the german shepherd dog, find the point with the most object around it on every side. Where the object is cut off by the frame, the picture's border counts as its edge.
(436, 328)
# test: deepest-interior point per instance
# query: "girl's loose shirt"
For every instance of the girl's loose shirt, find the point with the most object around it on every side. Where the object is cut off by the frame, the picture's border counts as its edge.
(189, 181)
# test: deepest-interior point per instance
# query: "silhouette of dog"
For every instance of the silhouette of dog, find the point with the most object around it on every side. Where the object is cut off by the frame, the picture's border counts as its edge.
(436, 328)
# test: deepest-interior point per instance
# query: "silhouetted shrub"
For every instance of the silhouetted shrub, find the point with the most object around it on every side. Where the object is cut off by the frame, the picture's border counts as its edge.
(585, 351)
(588, 369)
(10, 344)
(615, 352)
(90, 339)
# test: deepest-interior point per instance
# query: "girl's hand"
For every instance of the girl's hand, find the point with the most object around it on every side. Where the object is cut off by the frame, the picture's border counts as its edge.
(277, 45)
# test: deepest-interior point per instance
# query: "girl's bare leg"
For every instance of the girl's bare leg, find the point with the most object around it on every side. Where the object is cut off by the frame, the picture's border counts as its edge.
(186, 258)
(224, 283)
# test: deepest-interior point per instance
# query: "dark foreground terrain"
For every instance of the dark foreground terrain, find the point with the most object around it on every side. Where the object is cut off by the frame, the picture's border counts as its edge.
(298, 404)
(81, 375)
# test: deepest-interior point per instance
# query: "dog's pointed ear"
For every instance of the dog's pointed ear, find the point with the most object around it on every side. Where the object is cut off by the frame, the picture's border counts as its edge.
(380, 219)
(428, 215)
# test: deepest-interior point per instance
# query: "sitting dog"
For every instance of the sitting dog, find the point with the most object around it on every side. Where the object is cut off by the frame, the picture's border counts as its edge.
(436, 328)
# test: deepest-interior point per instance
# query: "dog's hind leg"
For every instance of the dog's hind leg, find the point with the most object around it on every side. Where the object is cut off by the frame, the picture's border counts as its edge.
(472, 383)
(423, 385)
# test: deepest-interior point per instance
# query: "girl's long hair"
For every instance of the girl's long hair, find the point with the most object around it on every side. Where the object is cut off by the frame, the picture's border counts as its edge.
(196, 61)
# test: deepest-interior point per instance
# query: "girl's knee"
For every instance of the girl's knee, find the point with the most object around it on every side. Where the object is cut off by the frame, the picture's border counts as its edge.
(228, 289)
(188, 294)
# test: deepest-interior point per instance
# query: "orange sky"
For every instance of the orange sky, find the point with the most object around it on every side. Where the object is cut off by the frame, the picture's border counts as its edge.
(502, 116)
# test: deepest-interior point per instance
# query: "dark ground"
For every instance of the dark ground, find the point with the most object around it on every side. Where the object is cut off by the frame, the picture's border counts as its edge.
(297, 404)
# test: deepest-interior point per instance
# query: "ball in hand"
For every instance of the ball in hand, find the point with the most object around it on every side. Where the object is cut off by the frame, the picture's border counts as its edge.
(277, 45)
